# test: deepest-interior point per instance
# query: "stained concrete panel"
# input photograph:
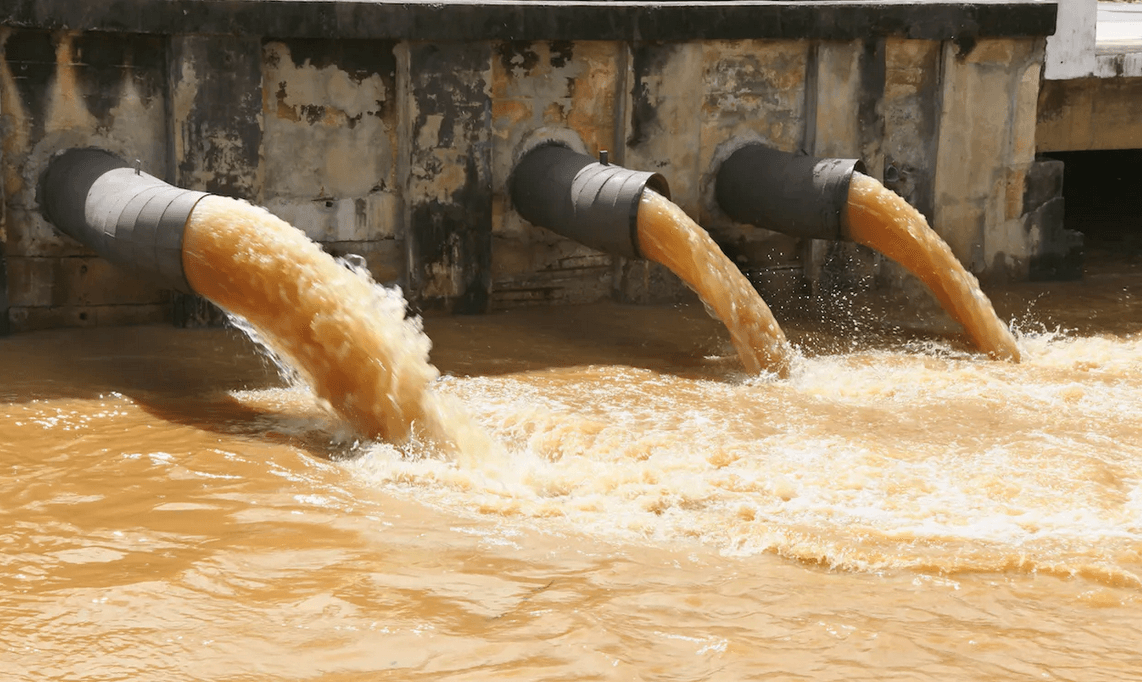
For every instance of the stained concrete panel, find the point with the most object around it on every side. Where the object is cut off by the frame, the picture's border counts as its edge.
(1089, 114)
(449, 190)
(57, 91)
(542, 91)
(980, 133)
(79, 281)
(911, 113)
(74, 90)
(330, 138)
(753, 91)
(549, 90)
(216, 97)
(838, 86)
(663, 123)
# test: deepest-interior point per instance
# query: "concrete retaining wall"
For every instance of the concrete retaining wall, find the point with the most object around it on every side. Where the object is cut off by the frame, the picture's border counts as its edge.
(400, 150)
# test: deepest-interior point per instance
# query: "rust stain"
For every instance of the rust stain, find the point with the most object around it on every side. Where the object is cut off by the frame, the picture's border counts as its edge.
(509, 112)
(553, 113)
(285, 111)
(592, 95)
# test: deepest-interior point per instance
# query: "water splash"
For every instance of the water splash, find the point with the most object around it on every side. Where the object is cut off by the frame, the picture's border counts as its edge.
(347, 337)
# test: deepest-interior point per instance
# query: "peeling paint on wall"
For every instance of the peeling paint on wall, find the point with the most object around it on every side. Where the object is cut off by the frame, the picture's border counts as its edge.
(449, 190)
(330, 143)
(216, 87)
(402, 152)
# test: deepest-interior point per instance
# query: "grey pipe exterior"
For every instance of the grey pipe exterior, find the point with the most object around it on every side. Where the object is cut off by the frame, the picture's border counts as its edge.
(572, 194)
(132, 219)
(799, 195)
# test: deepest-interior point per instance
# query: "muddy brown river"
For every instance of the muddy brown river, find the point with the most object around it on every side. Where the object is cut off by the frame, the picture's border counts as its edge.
(901, 507)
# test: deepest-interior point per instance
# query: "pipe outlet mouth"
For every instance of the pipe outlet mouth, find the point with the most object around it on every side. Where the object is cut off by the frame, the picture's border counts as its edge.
(798, 195)
(132, 219)
(591, 202)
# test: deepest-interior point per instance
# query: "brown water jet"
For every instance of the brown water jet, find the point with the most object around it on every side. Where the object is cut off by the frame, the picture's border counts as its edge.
(879, 218)
(347, 337)
(628, 214)
(668, 236)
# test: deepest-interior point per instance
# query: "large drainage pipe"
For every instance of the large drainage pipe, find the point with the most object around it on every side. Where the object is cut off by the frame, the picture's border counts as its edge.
(794, 194)
(132, 219)
(592, 202)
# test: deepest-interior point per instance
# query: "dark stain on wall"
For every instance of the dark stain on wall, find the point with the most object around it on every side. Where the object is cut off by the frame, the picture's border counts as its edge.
(457, 234)
(646, 59)
(454, 234)
(105, 59)
(222, 133)
(516, 54)
(31, 56)
(870, 107)
(912, 172)
(562, 52)
(445, 22)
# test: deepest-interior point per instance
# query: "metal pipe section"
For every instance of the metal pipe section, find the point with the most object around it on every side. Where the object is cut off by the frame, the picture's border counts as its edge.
(132, 219)
(594, 203)
(798, 195)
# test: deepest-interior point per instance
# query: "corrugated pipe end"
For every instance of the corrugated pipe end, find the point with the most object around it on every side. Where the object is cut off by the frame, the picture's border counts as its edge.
(794, 194)
(572, 194)
(132, 219)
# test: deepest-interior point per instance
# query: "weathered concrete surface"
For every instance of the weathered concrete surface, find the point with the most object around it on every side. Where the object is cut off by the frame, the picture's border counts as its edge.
(542, 91)
(1070, 51)
(911, 115)
(216, 96)
(662, 131)
(1118, 43)
(849, 99)
(215, 87)
(1057, 251)
(1089, 114)
(1092, 38)
(330, 146)
(753, 92)
(985, 149)
(446, 138)
(401, 151)
(59, 90)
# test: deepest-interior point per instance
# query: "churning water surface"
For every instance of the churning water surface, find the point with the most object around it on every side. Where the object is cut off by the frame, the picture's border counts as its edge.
(899, 507)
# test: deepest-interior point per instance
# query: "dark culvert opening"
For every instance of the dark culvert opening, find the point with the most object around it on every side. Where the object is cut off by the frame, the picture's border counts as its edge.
(1102, 191)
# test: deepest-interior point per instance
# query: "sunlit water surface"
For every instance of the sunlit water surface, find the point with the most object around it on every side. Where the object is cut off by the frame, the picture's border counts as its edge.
(901, 507)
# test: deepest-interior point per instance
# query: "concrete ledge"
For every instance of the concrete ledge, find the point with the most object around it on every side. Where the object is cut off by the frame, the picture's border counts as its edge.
(523, 20)
(1089, 113)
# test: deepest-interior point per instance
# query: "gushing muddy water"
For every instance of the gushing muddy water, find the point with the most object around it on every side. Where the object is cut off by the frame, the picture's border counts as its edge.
(349, 339)
(879, 218)
(174, 509)
(668, 236)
